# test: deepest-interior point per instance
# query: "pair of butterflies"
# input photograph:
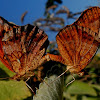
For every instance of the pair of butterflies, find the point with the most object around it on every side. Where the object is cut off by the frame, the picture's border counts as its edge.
(22, 48)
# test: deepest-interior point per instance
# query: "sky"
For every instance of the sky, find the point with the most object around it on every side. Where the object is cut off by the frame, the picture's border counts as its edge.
(12, 10)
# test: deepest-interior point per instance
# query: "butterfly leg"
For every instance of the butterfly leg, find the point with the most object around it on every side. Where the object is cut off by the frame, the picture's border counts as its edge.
(30, 88)
(71, 81)
(28, 85)
(56, 58)
(60, 75)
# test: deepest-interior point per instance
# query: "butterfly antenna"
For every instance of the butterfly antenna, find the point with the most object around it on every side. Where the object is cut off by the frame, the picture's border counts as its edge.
(35, 87)
(71, 81)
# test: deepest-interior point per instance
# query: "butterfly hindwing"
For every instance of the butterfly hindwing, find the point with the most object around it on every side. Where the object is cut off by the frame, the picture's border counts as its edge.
(77, 45)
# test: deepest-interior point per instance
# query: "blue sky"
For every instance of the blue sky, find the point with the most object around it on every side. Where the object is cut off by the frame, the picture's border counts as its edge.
(12, 10)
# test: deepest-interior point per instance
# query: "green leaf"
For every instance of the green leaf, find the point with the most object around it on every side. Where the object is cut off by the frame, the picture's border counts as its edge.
(49, 90)
(96, 86)
(5, 72)
(13, 90)
(80, 88)
(70, 78)
(90, 98)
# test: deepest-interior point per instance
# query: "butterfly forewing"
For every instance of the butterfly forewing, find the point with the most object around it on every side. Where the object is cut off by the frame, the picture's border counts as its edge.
(90, 18)
(63, 47)
(5, 28)
(70, 40)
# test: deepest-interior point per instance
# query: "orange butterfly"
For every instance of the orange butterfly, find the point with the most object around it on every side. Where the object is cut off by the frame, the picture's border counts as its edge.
(22, 48)
(78, 43)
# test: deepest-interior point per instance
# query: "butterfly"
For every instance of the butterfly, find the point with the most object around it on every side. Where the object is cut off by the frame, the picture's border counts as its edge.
(79, 42)
(22, 48)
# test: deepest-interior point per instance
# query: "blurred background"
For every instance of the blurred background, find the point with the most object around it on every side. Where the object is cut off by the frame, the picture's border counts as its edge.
(51, 16)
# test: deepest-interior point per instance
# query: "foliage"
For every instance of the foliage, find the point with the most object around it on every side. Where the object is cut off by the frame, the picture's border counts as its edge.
(83, 88)
(10, 89)
(86, 87)
(49, 90)
(54, 16)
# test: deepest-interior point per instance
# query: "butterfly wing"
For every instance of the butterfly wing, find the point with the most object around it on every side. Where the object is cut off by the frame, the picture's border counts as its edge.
(90, 18)
(68, 41)
(37, 52)
(3, 58)
(77, 46)
(17, 42)
(13, 52)
(89, 47)
(4, 28)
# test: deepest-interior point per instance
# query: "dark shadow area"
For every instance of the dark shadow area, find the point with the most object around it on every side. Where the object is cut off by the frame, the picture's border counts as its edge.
(53, 68)
(29, 98)
(49, 68)
(3, 74)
